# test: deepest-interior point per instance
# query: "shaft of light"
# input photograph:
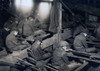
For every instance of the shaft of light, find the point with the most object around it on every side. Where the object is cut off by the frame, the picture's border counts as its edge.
(24, 6)
(44, 10)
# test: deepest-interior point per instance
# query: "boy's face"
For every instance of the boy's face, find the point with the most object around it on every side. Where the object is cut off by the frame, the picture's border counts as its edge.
(30, 18)
(7, 29)
(85, 34)
(15, 33)
(64, 47)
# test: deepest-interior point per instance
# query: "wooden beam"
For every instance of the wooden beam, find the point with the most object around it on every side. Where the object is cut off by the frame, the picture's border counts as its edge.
(88, 9)
(82, 66)
(50, 41)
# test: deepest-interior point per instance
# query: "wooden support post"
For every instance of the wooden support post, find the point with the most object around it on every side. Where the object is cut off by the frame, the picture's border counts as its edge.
(56, 20)
(60, 21)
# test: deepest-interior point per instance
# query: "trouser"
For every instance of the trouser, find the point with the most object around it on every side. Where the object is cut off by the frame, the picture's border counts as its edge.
(89, 50)
(80, 49)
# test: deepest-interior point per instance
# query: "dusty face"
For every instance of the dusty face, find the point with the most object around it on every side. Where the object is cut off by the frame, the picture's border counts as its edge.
(38, 42)
(64, 47)
(7, 29)
(85, 34)
(15, 33)
(16, 22)
(30, 18)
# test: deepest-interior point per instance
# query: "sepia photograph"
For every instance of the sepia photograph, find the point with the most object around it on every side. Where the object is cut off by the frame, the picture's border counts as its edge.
(49, 35)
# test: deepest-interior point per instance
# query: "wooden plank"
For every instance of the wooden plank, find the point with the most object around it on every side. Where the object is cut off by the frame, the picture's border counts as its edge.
(87, 59)
(94, 43)
(50, 41)
(88, 9)
(82, 66)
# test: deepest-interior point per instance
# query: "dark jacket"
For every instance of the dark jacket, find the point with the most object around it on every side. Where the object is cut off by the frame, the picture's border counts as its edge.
(59, 57)
(27, 27)
(13, 44)
(39, 54)
(80, 43)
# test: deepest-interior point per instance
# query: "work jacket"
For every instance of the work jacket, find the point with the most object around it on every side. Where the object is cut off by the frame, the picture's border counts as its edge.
(80, 43)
